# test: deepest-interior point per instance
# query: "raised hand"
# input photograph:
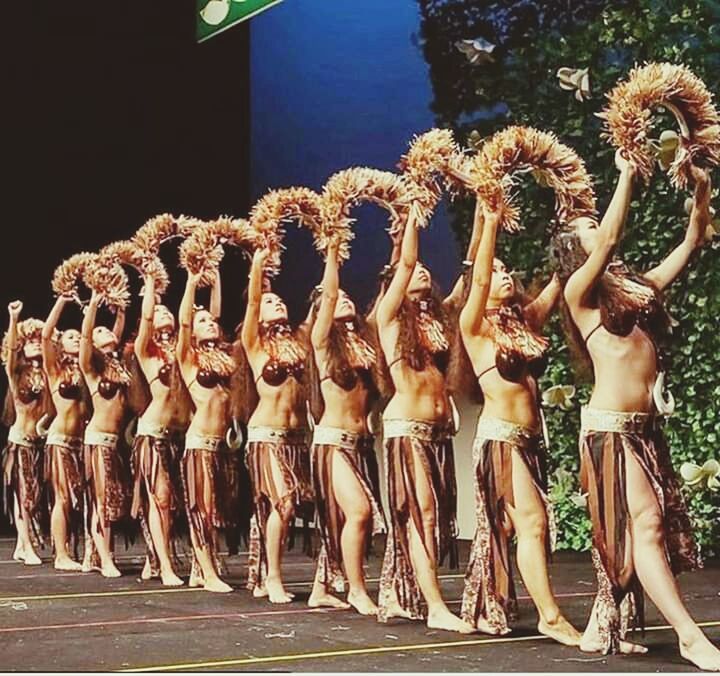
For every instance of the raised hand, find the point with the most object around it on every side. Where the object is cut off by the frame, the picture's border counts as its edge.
(14, 309)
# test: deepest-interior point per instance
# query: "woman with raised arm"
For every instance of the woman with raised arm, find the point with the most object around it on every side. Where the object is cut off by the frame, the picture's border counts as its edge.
(418, 430)
(106, 476)
(64, 469)
(503, 342)
(277, 453)
(210, 469)
(342, 394)
(641, 529)
(26, 402)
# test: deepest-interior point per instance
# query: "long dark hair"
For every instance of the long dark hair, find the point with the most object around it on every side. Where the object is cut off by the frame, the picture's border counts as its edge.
(20, 375)
(338, 358)
(623, 297)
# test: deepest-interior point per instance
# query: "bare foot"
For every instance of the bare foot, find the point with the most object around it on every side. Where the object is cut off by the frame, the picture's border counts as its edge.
(19, 553)
(31, 558)
(561, 631)
(217, 585)
(66, 563)
(276, 592)
(394, 609)
(321, 599)
(592, 644)
(444, 619)
(169, 579)
(486, 628)
(147, 572)
(362, 603)
(701, 653)
(110, 570)
(259, 592)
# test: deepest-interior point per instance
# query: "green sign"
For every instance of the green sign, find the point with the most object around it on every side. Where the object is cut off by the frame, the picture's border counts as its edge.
(215, 16)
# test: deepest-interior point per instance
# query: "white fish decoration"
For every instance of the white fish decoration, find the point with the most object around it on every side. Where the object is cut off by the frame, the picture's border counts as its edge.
(215, 12)
(693, 474)
(559, 396)
(577, 80)
(477, 51)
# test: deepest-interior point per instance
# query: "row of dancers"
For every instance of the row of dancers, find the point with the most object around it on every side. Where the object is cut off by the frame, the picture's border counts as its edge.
(409, 354)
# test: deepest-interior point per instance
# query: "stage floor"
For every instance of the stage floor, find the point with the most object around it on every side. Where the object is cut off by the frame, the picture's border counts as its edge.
(78, 622)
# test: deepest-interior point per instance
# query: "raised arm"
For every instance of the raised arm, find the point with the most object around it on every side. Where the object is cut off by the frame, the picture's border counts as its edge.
(216, 296)
(473, 312)
(147, 311)
(86, 344)
(250, 334)
(393, 297)
(119, 325)
(539, 309)
(14, 310)
(49, 354)
(182, 347)
(666, 272)
(328, 300)
(582, 281)
(455, 295)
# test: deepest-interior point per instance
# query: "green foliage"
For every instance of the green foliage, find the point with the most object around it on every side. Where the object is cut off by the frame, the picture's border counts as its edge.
(520, 86)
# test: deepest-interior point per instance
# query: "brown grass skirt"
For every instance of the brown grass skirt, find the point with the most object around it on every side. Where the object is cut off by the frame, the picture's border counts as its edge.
(116, 501)
(435, 451)
(603, 477)
(65, 463)
(489, 590)
(22, 479)
(293, 458)
(154, 458)
(221, 469)
(330, 516)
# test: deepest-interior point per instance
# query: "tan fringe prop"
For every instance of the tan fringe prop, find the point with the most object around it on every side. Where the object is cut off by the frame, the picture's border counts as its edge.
(517, 150)
(202, 251)
(435, 162)
(278, 207)
(127, 252)
(27, 330)
(69, 273)
(104, 275)
(675, 87)
(348, 188)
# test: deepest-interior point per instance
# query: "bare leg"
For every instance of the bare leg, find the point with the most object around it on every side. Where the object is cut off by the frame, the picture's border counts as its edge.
(22, 523)
(424, 561)
(276, 531)
(529, 519)
(101, 539)
(654, 572)
(159, 523)
(211, 579)
(59, 519)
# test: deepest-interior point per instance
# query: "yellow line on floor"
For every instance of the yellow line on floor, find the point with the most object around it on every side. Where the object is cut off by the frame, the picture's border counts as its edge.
(131, 592)
(296, 657)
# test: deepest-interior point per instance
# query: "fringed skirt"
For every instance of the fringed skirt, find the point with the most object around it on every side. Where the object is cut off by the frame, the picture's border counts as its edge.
(210, 468)
(489, 590)
(22, 463)
(431, 444)
(101, 451)
(288, 451)
(605, 439)
(64, 469)
(354, 449)
(154, 462)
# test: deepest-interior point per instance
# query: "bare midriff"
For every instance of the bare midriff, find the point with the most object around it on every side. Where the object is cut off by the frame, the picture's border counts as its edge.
(160, 409)
(419, 395)
(344, 409)
(26, 418)
(107, 414)
(212, 410)
(515, 402)
(625, 370)
(280, 406)
(68, 418)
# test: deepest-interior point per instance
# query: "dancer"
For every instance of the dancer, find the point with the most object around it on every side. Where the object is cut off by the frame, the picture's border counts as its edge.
(210, 469)
(342, 394)
(417, 427)
(106, 475)
(641, 529)
(26, 402)
(277, 451)
(64, 469)
(507, 354)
